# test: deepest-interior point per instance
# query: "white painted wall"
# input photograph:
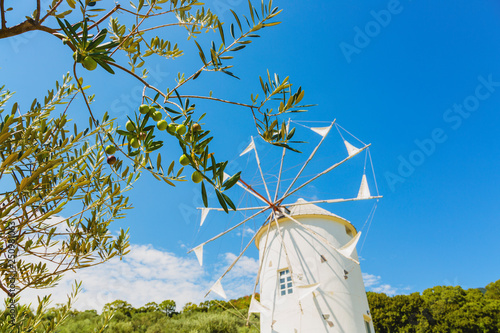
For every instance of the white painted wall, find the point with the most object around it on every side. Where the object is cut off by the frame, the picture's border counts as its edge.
(343, 301)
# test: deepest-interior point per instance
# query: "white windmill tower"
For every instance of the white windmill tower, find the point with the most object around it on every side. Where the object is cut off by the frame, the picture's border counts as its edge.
(309, 274)
(308, 282)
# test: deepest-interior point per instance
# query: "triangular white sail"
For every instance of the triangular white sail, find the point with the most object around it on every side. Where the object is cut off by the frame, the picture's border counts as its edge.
(257, 307)
(351, 150)
(348, 249)
(364, 191)
(199, 253)
(304, 291)
(217, 288)
(204, 213)
(323, 131)
(247, 149)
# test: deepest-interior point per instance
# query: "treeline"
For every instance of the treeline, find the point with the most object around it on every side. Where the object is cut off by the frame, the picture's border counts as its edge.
(206, 317)
(436, 310)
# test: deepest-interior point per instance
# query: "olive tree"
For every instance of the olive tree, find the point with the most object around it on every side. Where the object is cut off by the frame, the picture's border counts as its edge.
(50, 169)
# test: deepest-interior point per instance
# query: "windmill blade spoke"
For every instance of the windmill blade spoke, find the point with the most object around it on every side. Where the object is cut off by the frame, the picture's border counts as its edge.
(324, 172)
(238, 210)
(235, 260)
(330, 201)
(284, 246)
(248, 188)
(232, 228)
(279, 175)
(261, 261)
(260, 170)
(292, 275)
(307, 161)
(281, 169)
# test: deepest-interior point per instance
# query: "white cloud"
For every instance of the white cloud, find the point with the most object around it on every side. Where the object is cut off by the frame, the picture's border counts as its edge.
(144, 275)
(245, 266)
(148, 274)
(246, 232)
(240, 280)
(370, 280)
(373, 283)
(386, 289)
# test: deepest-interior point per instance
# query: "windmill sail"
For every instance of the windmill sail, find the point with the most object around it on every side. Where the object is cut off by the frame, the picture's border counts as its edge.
(348, 249)
(351, 150)
(323, 131)
(364, 191)
(305, 291)
(257, 307)
(217, 288)
(247, 149)
(204, 213)
(199, 253)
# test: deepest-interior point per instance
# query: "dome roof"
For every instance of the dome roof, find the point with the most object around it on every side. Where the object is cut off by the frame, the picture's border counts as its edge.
(302, 207)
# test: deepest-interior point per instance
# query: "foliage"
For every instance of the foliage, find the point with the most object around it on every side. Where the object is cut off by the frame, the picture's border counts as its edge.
(167, 307)
(45, 167)
(209, 318)
(493, 290)
(438, 309)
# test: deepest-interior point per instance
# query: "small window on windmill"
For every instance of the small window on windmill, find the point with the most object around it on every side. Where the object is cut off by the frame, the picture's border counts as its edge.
(285, 282)
(323, 259)
(367, 320)
(368, 329)
(348, 231)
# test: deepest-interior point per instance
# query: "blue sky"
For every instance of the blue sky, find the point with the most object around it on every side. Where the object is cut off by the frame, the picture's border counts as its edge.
(421, 84)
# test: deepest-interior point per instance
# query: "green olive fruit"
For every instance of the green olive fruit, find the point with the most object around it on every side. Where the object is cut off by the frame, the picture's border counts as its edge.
(162, 125)
(144, 108)
(130, 126)
(152, 110)
(171, 128)
(184, 160)
(89, 63)
(195, 128)
(135, 143)
(111, 160)
(196, 177)
(110, 149)
(180, 129)
(156, 115)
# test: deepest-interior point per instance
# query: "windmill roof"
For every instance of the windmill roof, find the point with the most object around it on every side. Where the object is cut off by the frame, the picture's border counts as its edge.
(302, 207)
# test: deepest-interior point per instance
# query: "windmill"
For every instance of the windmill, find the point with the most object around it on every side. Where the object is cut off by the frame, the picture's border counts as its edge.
(309, 274)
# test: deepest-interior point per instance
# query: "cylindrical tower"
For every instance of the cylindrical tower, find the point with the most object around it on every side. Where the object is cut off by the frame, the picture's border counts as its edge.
(306, 285)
